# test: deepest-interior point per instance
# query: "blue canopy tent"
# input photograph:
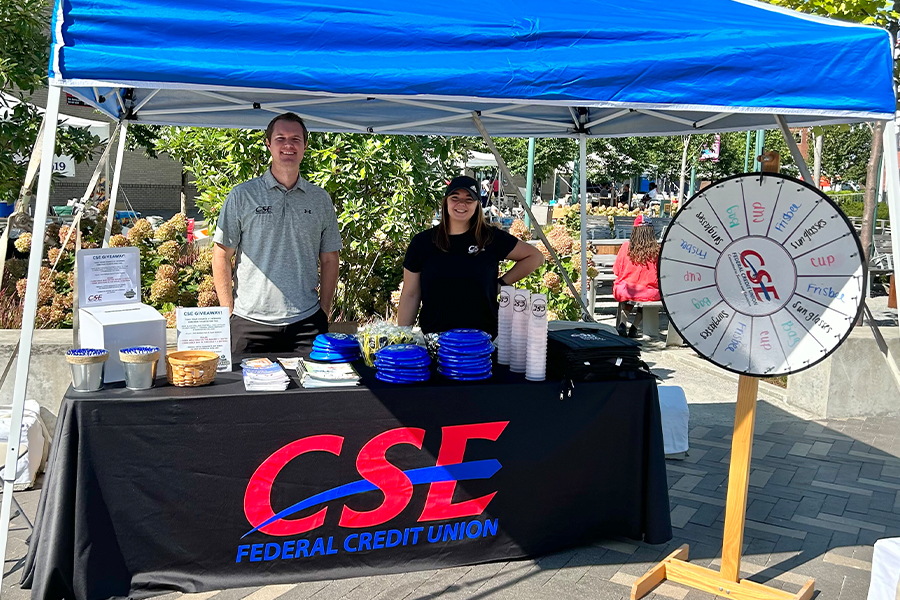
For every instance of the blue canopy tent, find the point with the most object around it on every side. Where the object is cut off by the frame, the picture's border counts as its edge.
(509, 68)
(637, 68)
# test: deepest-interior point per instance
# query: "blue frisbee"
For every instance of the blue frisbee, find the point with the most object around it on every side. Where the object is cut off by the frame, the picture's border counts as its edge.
(392, 379)
(487, 375)
(465, 366)
(332, 357)
(337, 341)
(401, 352)
(415, 364)
(466, 350)
(465, 336)
(465, 371)
(406, 374)
(474, 349)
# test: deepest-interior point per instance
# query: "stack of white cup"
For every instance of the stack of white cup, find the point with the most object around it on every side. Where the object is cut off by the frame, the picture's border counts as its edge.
(518, 356)
(536, 361)
(504, 325)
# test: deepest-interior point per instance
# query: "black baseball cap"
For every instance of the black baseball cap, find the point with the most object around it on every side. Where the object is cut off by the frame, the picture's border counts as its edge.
(463, 183)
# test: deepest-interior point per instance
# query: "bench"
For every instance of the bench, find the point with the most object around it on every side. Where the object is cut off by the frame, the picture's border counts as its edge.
(650, 325)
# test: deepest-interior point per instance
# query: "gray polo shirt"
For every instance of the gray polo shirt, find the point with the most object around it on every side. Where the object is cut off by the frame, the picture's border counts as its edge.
(278, 234)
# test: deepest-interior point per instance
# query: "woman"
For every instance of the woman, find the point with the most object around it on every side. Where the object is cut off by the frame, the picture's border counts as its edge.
(451, 270)
(636, 275)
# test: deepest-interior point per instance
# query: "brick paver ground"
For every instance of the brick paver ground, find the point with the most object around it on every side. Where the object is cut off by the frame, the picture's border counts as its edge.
(821, 493)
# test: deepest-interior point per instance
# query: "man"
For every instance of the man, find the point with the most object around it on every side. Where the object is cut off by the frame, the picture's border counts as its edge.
(651, 198)
(283, 232)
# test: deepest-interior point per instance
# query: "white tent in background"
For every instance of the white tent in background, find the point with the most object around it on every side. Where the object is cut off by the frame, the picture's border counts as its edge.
(478, 160)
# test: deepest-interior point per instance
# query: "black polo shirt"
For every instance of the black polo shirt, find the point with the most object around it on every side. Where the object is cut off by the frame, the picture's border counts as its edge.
(459, 287)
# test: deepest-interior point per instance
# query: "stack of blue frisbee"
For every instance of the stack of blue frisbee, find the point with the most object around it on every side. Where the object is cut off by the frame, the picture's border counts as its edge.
(402, 363)
(335, 348)
(465, 354)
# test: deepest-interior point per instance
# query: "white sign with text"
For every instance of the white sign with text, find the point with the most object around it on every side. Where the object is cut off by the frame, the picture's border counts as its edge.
(205, 329)
(108, 276)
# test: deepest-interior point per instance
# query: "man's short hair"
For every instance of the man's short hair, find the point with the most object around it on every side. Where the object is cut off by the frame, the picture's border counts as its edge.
(288, 116)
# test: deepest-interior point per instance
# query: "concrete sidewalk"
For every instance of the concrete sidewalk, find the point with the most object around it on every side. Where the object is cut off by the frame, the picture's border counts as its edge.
(821, 493)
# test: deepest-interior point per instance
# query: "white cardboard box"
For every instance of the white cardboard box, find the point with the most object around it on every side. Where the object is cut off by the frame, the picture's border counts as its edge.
(120, 326)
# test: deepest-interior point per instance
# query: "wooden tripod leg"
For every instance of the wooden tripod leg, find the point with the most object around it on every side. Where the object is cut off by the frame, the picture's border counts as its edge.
(739, 477)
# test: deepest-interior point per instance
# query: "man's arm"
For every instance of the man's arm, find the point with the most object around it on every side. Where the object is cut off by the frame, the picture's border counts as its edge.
(222, 275)
(328, 276)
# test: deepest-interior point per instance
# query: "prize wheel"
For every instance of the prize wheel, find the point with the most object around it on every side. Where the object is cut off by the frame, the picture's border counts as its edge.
(762, 274)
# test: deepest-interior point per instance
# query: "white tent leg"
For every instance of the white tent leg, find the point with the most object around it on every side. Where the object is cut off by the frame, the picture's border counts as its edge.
(24, 193)
(41, 208)
(582, 166)
(892, 180)
(114, 191)
(795, 151)
(501, 164)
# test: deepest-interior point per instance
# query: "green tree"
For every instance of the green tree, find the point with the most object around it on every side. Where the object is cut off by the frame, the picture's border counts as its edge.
(24, 55)
(872, 12)
(385, 190)
(846, 150)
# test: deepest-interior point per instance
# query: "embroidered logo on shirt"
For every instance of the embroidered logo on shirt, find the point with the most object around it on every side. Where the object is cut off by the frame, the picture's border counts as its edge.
(474, 249)
(264, 210)
(307, 211)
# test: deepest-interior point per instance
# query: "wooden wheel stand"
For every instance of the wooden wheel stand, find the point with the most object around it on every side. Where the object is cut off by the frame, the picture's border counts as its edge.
(726, 582)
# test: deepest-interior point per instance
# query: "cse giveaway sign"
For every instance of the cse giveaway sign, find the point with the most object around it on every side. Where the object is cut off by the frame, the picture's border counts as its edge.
(365, 529)
(762, 274)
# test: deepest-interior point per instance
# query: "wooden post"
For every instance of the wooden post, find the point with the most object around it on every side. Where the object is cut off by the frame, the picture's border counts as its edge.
(727, 582)
(892, 294)
(739, 477)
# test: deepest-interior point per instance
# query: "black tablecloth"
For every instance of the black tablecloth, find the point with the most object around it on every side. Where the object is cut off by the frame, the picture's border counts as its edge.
(146, 491)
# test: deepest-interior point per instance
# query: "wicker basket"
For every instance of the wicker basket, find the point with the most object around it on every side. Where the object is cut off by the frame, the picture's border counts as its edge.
(190, 368)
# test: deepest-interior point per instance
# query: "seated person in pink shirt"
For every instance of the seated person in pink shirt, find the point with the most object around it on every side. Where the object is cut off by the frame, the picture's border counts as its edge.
(636, 275)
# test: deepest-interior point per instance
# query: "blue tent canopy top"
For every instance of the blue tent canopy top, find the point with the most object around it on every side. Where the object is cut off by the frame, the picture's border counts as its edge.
(531, 67)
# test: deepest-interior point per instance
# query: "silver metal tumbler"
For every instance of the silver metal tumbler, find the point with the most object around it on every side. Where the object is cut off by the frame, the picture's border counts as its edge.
(87, 377)
(139, 364)
(87, 368)
(139, 375)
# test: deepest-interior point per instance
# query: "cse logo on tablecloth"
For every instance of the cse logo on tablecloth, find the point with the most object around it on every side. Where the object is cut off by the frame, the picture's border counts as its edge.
(762, 274)
(377, 474)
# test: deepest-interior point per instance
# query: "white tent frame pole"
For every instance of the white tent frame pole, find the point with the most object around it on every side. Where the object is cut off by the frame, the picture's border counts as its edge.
(117, 176)
(29, 313)
(795, 150)
(24, 193)
(582, 171)
(507, 175)
(892, 180)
